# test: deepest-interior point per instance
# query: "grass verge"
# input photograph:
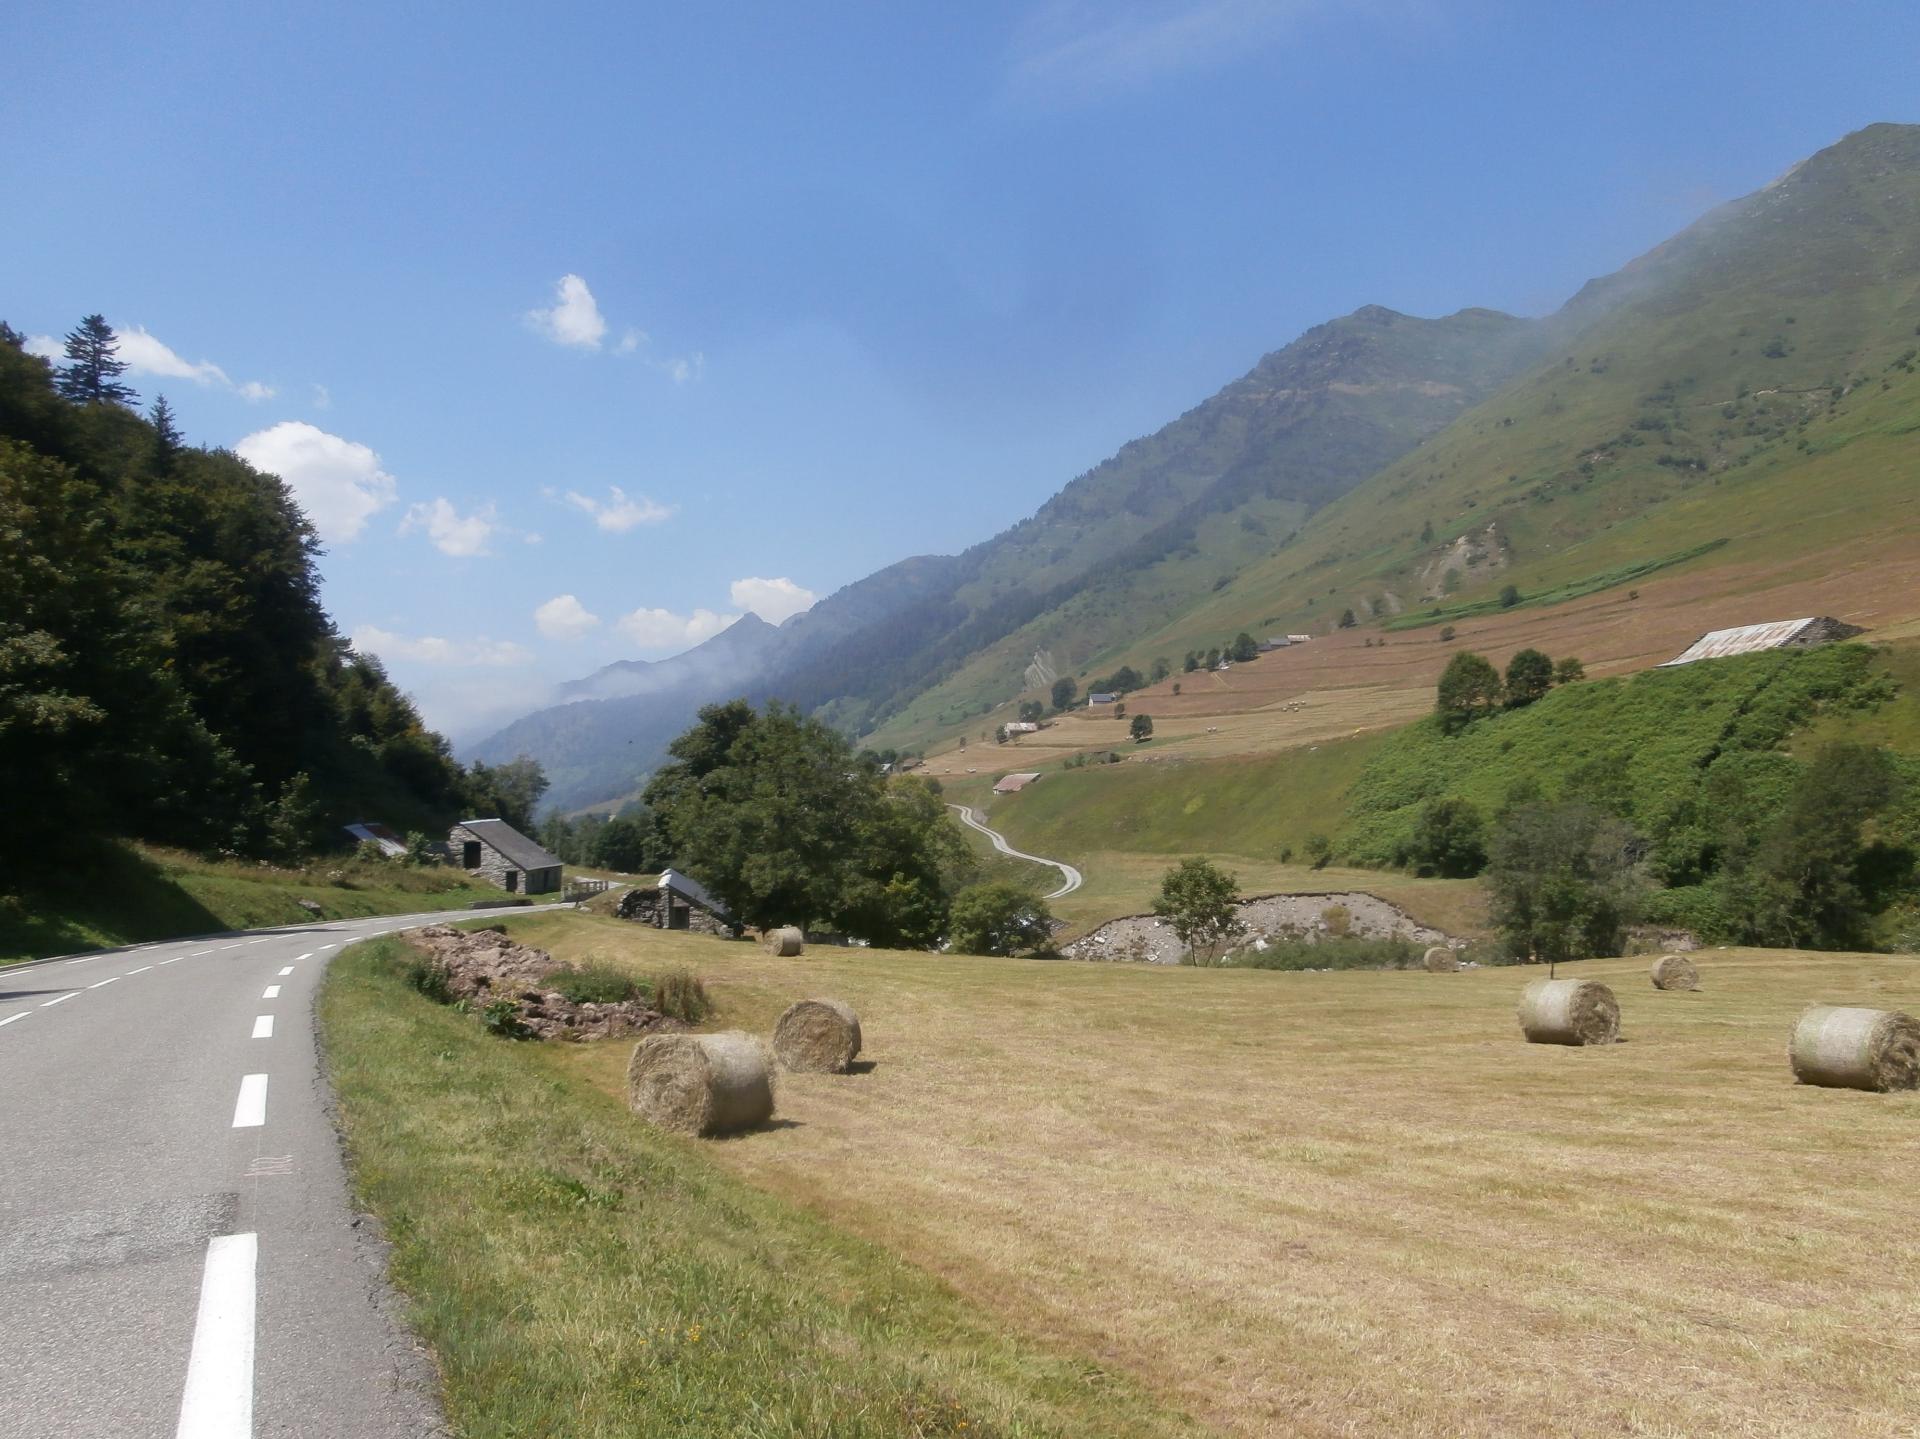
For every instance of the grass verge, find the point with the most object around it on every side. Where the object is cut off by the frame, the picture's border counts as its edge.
(578, 1274)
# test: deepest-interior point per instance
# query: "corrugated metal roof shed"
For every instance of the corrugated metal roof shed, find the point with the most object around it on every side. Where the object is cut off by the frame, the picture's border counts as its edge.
(1774, 635)
(689, 888)
(1014, 782)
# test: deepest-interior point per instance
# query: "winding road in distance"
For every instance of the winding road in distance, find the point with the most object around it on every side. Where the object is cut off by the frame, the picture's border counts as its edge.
(179, 1258)
(1070, 876)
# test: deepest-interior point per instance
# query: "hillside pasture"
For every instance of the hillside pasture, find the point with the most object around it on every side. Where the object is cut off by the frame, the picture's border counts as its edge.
(1358, 1203)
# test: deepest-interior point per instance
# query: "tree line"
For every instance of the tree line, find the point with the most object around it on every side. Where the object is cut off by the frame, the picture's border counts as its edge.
(167, 671)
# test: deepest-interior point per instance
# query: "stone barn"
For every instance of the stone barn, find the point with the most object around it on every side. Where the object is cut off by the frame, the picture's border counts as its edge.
(494, 850)
(677, 902)
(1801, 634)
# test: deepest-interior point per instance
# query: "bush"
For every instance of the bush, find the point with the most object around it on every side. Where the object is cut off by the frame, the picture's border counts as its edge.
(1319, 851)
(1343, 953)
(1449, 839)
(431, 978)
(679, 994)
(999, 919)
(502, 1017)
(596, 983)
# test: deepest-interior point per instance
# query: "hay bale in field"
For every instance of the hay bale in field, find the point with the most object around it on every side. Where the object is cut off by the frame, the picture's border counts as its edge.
(1569, 1011)
(1441, 960)
(1675, 971)
(1842, 1047)
(817, 1036)
(700, 1083)
(786, 941)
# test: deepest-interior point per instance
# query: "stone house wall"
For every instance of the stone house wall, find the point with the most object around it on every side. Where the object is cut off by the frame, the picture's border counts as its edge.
(495, 868)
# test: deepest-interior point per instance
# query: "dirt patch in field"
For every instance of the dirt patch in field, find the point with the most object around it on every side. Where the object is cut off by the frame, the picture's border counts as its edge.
(1148, 939)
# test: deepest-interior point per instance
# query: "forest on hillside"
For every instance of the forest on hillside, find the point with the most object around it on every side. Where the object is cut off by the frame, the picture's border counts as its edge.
(167, 670)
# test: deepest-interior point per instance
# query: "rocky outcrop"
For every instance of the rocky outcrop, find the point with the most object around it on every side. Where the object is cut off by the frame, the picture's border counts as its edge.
(1144, 938)
(484, 967)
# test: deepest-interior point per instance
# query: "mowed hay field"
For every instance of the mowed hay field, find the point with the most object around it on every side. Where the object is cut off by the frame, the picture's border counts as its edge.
(1358, 1203)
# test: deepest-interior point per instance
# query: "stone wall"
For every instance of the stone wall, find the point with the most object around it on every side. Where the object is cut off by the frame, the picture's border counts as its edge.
(664, 910)
(494, 867)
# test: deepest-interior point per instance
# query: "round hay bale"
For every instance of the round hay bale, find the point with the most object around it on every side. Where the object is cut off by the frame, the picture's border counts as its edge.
(1569, 1011)
(817, 1036)
(700, 1083)
(786, 941)
(1841, 1047)
(1441, 960)
(1675, 971)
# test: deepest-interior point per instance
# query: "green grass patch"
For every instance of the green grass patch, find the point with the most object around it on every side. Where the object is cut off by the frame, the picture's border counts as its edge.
(1343, 952)
(579, 1274)
(1558, 594)
(111, 894)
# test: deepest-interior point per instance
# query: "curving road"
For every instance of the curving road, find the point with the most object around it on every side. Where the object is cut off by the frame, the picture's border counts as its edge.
(179, 1258)
(1072, 877)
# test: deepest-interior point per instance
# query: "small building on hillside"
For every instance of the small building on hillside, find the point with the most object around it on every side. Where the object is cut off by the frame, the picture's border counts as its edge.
(494, 850)
(677, 902)
(1014, 783)
(1021, 727)
(1101, 697)
(1274, 642)
(1802, 634)
(1298, 639)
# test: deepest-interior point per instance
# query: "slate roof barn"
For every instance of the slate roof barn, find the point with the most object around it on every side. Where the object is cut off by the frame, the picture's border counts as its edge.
(495, 850)
(1798, 634)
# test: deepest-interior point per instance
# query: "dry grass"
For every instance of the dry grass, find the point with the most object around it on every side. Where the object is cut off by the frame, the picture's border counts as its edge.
(1359, 1203)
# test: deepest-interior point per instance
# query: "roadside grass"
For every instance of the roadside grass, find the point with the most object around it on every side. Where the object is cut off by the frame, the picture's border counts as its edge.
(579, 1274)
(1358, 1203)
(112, 894)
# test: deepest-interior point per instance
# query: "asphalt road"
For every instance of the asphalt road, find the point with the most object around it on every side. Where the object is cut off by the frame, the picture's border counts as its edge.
(1070, 878)
(178, 1256)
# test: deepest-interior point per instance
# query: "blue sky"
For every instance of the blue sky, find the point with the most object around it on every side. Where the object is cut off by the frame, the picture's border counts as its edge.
(580, 329)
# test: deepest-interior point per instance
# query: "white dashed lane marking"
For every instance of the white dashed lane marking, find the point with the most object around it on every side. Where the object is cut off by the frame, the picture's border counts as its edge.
(298, 957)
(102, 983)
(263, 1027)
(288, 970)
(61, 1000)
(11, 1017)
(250, 1110)
(272, 992)
(175, 960)
(232, 946)
(141, 970)
(217, 1402)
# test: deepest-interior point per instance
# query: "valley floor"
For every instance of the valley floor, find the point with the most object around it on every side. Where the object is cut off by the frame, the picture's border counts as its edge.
(1326, 1204)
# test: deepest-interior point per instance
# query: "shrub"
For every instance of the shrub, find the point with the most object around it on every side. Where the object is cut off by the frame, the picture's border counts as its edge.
(596, 983)
(1201, 901)
(679, 994)
(502, 1017)
(999, 919)
(1449, 839)
(1337, 919)
(431, 978)
(1347, 952)
(1319, 851)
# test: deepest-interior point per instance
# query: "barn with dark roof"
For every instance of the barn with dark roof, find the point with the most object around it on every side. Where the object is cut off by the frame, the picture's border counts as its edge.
(494, 850)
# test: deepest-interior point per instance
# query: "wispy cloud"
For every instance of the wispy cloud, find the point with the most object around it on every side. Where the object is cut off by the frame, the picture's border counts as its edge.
(564, 618)
(433, 650)
(663, 629)
(451, 532)
(1072, 50)
(619, 512)
(338, 482)
(147, 354)
(772, 600)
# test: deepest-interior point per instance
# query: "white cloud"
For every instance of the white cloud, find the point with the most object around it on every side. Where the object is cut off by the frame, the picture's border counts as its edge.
(339, 483)
(452, 533)
(618, 512)
(46, 347)
(146, 354)
(663, 629)
(432, 650)
(772, 600)
(574, 318)
(564, 618)
(322, 398)
(1073, 49)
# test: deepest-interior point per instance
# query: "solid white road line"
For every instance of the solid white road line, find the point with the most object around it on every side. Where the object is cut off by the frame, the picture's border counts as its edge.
(102, 982)
(61, 1000)
(141, 970)
(288, 970)
(250, 1110)
(272, 992)
(217, 1402)
(263, 1026)
(11, 1017)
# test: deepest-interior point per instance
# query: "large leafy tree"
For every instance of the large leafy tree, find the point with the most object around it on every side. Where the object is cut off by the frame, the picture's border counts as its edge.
(1529, 676)
(1469, 686)
(1000, 918)
(1563, 880)
(778, 817)
(91, 374)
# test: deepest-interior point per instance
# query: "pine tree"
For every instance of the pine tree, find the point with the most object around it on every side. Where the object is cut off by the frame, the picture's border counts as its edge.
(166, 434)
(94, 367)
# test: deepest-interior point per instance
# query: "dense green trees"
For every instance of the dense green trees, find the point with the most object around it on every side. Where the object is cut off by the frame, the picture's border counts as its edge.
(1563, 881)
(1529, 676)
(1141, 728)
(778, 817)
(1063, 692)
(166, 670)
(999, 918)
(1469, 686)
(1449, 839)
